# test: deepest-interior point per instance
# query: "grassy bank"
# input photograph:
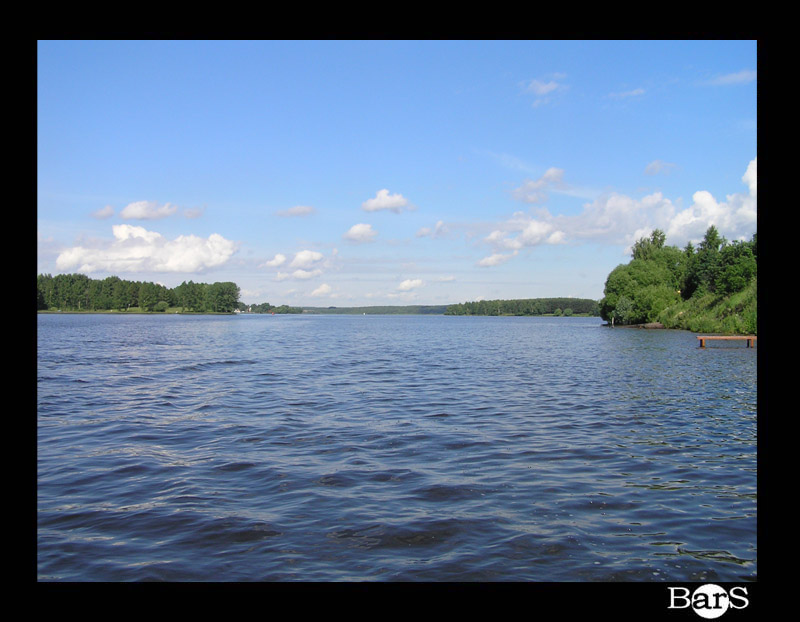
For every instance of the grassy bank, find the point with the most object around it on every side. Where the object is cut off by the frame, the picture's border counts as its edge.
(736, 314)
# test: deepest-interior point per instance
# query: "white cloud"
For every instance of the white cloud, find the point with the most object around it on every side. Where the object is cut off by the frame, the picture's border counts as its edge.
(624, 94)
(305, 259)
(735, 218)
(385, 201)
(297, 210)
(613, 217)
(544, 89)
(536, 191)
(750, 177)
(103, 213)
(136, 249)
(496, 259)
(131, 232)
(360, 233)
(147, 210)
(540, 88)
(437, 231)
(276, 261)
(306, 274)
(410, 284)
(523, 230)
(744, 76)
(308, 264)
(322, 290)
(617, 218)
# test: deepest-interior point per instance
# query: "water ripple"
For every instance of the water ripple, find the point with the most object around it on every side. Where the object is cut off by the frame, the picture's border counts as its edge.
(391, 449)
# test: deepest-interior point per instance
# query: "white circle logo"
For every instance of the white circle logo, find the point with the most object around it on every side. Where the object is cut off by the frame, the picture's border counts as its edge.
(709, 601)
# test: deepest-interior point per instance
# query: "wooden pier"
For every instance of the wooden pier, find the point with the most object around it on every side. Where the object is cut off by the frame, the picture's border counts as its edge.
(751, 339)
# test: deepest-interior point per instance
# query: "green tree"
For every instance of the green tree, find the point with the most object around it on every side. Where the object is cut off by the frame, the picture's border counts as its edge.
(703, 266)
(647, 248)
(148, 296)
(41, 303)
(737, 267)
(222, 297)
(622, 312)
(641, 288)
(132, 294)
(119, 294)
(190, 296)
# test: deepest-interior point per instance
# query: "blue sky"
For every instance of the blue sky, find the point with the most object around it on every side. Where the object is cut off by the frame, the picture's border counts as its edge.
(388, 172)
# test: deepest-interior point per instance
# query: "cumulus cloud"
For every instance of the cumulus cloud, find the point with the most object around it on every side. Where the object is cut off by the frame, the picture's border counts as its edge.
(410, 284)
(384, 201)
(135, 249)
(147, 210)
(735, 218)
(750, 177)
(360, 233)
(614, 218)
(276, 261)
(523, 230)
(322, 290)
(307, 264)
(297, 210)
(305, 259)
(306, 274)
(617, 218)
(495, 259)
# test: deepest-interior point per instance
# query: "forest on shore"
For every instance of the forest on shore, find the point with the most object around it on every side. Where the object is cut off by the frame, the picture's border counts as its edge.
(711, 288)
(379, 310)
(527, 306)
(78, 292)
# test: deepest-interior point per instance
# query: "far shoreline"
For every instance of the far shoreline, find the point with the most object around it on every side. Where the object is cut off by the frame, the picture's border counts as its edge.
(118, 312)
(343, 311)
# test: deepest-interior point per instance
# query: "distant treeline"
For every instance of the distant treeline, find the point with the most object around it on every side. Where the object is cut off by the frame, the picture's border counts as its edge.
(265, 307)
(381, 310)
(77, 292)
(527, 306)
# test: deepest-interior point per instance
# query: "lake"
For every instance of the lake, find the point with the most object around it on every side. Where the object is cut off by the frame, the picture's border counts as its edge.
(391, 448)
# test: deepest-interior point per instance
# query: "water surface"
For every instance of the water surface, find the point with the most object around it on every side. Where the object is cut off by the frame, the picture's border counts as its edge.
(391, 448)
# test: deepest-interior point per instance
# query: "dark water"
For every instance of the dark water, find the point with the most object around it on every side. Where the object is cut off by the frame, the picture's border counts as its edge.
(391, 448)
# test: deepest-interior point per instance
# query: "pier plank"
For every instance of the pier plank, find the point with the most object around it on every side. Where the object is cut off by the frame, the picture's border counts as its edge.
(751, 339)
